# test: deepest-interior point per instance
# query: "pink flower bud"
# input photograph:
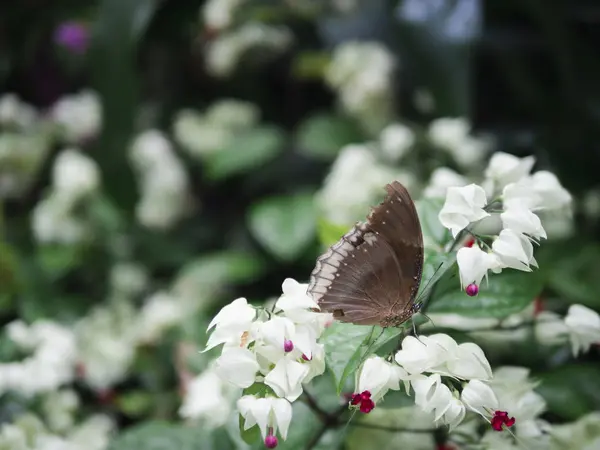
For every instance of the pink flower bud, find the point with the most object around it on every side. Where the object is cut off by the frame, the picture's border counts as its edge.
(472, 290)
(271, 441)
(288, 346)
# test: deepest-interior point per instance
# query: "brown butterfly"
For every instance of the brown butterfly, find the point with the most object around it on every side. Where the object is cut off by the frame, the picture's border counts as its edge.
(371, 276)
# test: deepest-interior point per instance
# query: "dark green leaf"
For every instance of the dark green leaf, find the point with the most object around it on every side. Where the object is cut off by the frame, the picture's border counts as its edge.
(571, 268)
(249, 150)
(571, 391)
(348, 345)
(57, 260)
(135, 403)
(433, 231)
(285, 226)
(310, 65)
(163, 436)
(330, 233)
(507, 293)
(323, 135)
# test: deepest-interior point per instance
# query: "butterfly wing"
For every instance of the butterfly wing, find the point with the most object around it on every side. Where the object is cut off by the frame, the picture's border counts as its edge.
(371, 276)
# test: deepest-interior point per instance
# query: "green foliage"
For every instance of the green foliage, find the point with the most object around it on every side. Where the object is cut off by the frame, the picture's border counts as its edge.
(323, 135)
(433, 231)
(505, 294)
(348, 345)
(571, 390)
(285, 226)
(330, 233)
(249, 150)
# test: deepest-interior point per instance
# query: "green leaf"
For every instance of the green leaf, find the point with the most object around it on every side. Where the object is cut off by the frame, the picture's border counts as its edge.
(135, 403)
(348, 345)
(249, 150)
(507, 293)
(157, 435)
(323, 135)
(433, 231)
(330, 233)
(56, 260)
(285, 226)
(118, 27)
(251, 435)
(216, 269)
(9, 270)
(572, 390)
(310, 65)
(571, 270)
(436, 265)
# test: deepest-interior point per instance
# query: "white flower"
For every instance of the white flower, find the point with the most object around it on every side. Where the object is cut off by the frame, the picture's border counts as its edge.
(230, 323)
(395, 140)
(473, 264)
(550, 328)
(218, 14)
(286, 378)
(266, 412)
(52, 220)
(421, 355)
(209, 398)
(295, 301)
(316, 364)
(449, 132)
(378, 376)
(237, 366)
(504, 168)
(441, 179)
(160, 312)
(514, 250)
(541, 191)
(521, 220)
(479, 397)
(79, 115)
(128, 278)
(463, 205)
(14, 111)
(74, 174)
(469, 362)
(433, 396)
(362, 73)
(584, 327)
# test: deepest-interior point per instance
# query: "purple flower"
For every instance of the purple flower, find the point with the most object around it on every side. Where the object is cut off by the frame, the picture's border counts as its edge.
(73, 36)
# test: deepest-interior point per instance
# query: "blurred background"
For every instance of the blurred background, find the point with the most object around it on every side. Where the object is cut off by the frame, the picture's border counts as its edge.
(159, 159)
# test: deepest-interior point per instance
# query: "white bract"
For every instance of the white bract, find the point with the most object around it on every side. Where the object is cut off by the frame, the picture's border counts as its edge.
(396, 140)
(520, 219)
(238, 366)
(441, 179)
(377, 376)
(78, 115)
(584, 328)
(479, 397)
(218, 14)
(269, 412)
(74, 175)
(463, 206)
(453, 135)
(473, 264)
(514, 250)
(504, 168)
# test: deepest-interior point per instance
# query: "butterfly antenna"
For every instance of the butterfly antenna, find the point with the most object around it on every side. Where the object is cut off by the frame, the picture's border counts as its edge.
(427, 286)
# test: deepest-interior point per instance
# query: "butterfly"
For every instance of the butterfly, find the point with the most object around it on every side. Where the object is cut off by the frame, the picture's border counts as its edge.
(371, 276)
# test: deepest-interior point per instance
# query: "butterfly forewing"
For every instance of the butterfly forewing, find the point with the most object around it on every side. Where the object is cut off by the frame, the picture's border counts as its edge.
(371, 276)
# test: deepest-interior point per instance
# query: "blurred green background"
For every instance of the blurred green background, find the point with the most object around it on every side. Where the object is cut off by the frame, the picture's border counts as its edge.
(227, 199)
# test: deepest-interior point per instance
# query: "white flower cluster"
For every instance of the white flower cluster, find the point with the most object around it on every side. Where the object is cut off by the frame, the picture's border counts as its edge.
(215, 129)
(581, 326)
(219, 14)
(75, 177)
(421, 363)
(278, 349)
(51, 363)
(362, 74)
(517, 196)
(25, 141)
(28, 432)
(354, 182)
(162, 178)
(224, 53)
(453, 135)
(79, 116)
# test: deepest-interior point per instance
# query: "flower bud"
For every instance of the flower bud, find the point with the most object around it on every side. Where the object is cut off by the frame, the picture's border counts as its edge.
(271, 441)
(288, 346)
(472, 290)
